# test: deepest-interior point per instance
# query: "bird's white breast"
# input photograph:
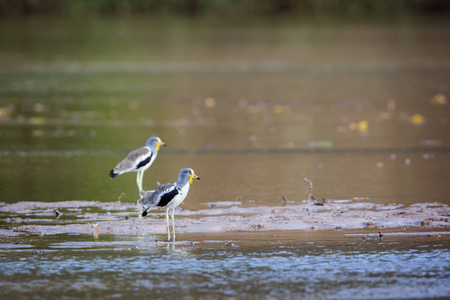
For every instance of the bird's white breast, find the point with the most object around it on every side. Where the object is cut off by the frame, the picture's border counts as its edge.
(180, 197)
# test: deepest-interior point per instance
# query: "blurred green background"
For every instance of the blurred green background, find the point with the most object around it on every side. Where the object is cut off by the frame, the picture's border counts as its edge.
(222, 8)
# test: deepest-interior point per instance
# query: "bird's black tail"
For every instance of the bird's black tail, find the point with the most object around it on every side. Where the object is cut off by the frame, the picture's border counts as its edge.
(145, 213)
(112, 174)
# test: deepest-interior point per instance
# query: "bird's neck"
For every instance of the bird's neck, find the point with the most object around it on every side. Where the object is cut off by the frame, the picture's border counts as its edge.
(183, 187)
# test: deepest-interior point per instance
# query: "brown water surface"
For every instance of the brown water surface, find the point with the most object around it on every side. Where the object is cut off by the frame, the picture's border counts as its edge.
(361, 110)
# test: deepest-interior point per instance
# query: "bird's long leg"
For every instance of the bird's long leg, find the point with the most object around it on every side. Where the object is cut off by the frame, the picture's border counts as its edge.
(141, 179)
(140, 175)
(168, 228)
(173, 224)
(138, 182)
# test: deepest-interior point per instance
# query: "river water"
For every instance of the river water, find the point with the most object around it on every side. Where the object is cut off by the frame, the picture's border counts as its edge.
(253, 107)
(332, 265)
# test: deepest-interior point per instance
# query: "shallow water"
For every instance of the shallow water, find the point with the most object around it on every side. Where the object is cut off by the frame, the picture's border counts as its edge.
(332, 265)
(361, 110)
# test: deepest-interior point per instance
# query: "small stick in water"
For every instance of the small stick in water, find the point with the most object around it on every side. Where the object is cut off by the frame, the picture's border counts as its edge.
(310, 196)
(310, 188)
(120, 197)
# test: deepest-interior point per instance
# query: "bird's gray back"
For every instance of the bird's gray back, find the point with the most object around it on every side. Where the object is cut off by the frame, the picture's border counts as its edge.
(135, 154)
(152, 199)
(130, 161)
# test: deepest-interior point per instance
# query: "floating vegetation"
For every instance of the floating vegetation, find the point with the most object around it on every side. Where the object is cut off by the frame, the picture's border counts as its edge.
(320, 144)
(417, 119)
(439, 99)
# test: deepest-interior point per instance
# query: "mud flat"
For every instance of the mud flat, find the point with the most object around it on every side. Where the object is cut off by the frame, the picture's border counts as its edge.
(89, 217)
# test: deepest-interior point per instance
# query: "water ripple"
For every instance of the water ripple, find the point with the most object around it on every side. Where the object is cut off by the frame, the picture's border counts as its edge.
(388, 274)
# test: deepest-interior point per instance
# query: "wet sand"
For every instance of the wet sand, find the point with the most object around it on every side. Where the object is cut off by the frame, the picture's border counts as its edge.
(88, 217)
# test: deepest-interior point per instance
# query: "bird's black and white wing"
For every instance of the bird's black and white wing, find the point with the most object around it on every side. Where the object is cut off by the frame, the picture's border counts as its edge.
(135, 160)
(162, 196)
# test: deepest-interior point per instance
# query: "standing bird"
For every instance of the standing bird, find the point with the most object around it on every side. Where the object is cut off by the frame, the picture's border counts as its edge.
(139, 160)
(168, 196)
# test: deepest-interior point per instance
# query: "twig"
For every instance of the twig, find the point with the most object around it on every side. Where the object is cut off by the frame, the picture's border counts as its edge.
(310, 196)
(310, 188)
(120, 196)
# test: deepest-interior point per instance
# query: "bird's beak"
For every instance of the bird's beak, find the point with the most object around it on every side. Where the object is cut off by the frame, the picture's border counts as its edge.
(193, 176)
(159, 145)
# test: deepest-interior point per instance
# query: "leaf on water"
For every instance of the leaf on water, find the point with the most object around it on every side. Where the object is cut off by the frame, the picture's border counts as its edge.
(36, 120)
(320, 144)
(363, 126)
(278, 109)
(417, 119)
(439, 99)
(210, 102)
